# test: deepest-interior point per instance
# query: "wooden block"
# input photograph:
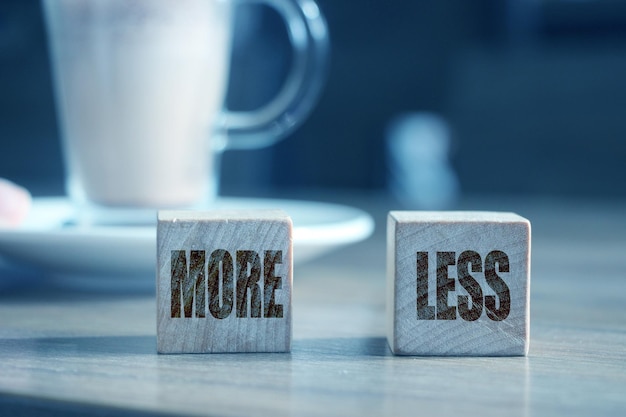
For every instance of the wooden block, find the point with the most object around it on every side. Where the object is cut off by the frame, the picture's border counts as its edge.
(224, 281)
(458, 283)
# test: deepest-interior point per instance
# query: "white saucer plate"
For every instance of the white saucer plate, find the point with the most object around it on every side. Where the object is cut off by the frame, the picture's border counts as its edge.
(51, 241)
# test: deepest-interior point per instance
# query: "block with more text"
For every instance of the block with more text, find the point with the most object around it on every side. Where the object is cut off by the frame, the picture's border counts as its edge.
(224, 281)
(458, 283)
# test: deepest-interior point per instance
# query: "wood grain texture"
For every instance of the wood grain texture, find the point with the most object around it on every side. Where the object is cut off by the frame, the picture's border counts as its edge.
(458, 283)
(224, 281)
(63, 349)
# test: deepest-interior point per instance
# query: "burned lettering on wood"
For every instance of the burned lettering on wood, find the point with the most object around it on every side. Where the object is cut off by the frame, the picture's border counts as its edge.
(221, 273)
(458, 283)
(189, 283)
(469, 307)
(224, 281)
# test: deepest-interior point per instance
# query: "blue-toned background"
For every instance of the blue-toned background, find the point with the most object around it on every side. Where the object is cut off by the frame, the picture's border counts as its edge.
(534, 93)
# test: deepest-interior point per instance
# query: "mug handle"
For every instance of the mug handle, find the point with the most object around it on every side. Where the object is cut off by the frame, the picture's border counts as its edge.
(308, 34)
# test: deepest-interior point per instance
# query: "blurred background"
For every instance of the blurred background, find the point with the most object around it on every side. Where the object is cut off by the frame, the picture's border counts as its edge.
(524, 97)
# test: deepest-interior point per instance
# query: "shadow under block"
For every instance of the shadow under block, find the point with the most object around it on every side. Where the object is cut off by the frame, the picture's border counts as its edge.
(224, 281)
(458, 283)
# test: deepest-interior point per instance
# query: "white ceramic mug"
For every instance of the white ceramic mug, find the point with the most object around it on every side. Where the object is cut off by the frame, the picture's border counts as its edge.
(140, 88)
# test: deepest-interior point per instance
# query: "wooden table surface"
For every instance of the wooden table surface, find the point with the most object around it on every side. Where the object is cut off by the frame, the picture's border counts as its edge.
(71, 352)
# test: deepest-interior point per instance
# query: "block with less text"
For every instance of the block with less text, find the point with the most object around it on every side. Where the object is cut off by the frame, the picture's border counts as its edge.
(224, 281)
(458, 283)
